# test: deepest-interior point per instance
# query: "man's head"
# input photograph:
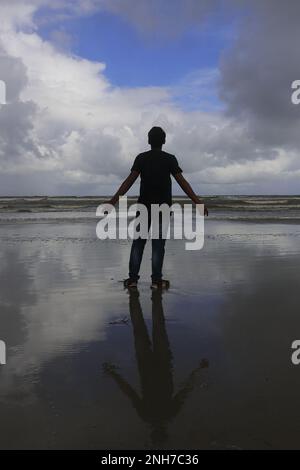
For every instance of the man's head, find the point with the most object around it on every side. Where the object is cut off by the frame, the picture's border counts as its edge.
(156, 137)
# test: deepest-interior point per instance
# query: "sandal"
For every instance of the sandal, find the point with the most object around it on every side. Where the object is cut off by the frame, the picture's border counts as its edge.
(162, 284)
(130, 283)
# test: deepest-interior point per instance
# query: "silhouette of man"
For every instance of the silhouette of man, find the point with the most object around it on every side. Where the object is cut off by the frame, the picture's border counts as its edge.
(155, 168)
(158, 404)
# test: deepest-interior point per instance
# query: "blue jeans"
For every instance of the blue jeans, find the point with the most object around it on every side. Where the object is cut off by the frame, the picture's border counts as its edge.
(136, 255)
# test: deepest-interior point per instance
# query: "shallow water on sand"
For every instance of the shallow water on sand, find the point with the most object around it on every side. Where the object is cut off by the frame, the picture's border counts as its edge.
(205, 365)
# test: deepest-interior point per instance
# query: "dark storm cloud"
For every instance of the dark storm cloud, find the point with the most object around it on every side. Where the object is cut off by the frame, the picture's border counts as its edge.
(256, 74)
(16, 125)
(13, 73)
(16, 116)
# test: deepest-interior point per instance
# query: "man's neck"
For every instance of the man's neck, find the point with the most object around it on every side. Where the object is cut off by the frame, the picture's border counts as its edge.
(156, 148)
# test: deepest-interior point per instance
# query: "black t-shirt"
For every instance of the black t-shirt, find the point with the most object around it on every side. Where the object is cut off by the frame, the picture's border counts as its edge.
(156, 168)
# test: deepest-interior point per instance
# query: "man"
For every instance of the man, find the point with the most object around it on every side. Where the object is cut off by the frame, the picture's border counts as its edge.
(155, 168)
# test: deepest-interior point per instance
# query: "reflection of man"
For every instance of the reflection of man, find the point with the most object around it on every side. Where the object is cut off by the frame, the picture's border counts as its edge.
(158, 404)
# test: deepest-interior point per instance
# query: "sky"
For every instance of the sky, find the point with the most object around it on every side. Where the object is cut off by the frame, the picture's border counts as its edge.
(87, 79)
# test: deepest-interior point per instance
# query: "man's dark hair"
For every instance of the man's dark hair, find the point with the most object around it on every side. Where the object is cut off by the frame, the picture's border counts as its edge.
(156, 136)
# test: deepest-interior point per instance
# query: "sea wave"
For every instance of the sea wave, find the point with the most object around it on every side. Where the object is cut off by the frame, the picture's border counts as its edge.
(285, 209)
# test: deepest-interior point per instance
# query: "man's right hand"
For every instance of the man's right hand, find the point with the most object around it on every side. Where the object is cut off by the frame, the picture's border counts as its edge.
(199, 206)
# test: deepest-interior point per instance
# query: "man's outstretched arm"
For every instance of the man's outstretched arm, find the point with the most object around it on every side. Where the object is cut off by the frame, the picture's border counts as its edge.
(125, 186)
(186, 187)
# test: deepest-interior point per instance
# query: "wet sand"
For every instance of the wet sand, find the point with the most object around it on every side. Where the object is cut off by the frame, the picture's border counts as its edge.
(207, 365)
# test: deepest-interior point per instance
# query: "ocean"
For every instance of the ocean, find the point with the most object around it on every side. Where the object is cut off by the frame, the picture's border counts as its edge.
(281, 209)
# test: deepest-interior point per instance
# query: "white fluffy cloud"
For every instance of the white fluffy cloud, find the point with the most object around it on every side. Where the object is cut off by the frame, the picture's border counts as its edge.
(66, 129)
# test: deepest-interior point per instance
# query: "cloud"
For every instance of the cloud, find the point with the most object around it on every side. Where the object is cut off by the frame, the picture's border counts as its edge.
(257, 73)
(67, 129)
(16, 117)
(64, 117)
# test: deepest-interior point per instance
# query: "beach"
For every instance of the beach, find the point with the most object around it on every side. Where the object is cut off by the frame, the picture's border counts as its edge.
(205, 365)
